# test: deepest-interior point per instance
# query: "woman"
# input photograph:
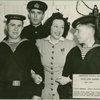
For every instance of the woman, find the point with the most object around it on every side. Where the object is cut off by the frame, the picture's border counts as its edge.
(17, 58)
(84, 58)
(53, 50)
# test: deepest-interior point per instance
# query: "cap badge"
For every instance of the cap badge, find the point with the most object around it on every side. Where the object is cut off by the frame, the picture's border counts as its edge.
(36, 5)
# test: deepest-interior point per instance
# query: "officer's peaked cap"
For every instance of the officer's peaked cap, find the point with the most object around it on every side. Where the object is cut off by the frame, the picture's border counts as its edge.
(37, 5)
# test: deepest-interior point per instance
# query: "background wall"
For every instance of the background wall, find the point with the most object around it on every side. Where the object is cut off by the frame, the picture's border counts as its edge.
(67, 7)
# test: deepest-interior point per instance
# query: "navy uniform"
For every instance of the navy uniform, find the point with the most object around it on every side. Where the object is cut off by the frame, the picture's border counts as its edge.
(15, 68)
(81, 59)
(31, 32)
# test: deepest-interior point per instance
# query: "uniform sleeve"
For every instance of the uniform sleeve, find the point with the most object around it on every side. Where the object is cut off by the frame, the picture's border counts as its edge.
(38, 68)
(39, 43)
(67, 71)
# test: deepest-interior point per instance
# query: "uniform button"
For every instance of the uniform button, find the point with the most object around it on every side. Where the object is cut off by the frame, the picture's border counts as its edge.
(52, 52)
(52, 73)
(53, 94)
(51, 89)
(51, 78)
(52, 84)
(51, 63)
(53, 46)
(51, 68)
(52, 57)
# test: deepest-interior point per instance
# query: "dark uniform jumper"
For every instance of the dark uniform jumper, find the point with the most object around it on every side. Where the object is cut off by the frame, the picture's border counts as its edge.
(15, 70)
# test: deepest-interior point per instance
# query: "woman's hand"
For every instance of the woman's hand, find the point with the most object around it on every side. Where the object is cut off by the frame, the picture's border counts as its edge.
(63, 80)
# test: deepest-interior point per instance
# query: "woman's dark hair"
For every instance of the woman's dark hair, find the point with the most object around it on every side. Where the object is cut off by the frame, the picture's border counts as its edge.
(49, 21)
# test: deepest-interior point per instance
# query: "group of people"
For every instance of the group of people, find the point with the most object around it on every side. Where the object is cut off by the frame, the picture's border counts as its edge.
(38, 62)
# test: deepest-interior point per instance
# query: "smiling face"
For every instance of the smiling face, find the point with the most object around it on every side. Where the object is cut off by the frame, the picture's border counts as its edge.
(14, 28)
(57, 29)
(84, 33)
(36, 16)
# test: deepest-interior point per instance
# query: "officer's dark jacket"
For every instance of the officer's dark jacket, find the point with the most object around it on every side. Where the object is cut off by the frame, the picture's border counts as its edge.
(32, 33)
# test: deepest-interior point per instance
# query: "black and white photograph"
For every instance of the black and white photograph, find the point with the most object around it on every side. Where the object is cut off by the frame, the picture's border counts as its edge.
(50, 49)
